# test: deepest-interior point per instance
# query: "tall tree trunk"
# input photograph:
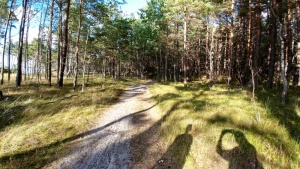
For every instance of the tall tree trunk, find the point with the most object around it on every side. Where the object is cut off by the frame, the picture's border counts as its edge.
(272, 54)
(249, 42)
(254, 69)
(38, 56)
(20, 52)
(60, 46)
(77, 46)
(119, 68)
(282, 32)
(185, 49)
(84, 61)
(288, 41)
(27, 45)
(65, 43)
(49, 45)
(166, 59)
(207, 59)
(283, 64)
(211, 55)
(296, 76)
(4, 43)
(230, 57)
(9, 52)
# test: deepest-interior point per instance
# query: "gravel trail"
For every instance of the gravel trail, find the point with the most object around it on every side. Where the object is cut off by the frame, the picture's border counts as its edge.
(107, 145)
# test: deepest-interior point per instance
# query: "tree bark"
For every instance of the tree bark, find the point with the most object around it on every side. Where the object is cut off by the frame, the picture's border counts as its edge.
(4, 43)
(254, 68)
(77, 47)
(230, 57)
(84, 61)
(65, 43)
(249, 37)
(60, 46)
(20, 51)
(185, 49)
(288, 42)
(9, 52)
(49, 45)
(27, 45)
(272, 54)
(296, 76)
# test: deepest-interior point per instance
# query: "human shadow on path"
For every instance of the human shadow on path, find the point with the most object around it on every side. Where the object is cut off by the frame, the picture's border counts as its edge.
(176, 154)
(243, 156)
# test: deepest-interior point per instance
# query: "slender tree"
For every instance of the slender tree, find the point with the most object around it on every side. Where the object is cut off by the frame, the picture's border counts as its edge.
(64, 50)
(49, 45)
(5, 37)
(20, 46)
(77, 46)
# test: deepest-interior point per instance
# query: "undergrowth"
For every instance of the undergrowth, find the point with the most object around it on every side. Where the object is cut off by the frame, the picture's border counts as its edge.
(228, 128)
(38, 123)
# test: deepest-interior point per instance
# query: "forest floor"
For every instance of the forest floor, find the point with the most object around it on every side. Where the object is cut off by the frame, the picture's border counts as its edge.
(118, 139)
(148, 125)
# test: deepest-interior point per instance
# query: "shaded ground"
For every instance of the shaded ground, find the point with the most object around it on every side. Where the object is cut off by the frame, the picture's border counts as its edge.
(108, 145)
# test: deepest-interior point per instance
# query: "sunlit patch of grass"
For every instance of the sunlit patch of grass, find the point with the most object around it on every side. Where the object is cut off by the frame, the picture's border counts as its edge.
(210, 110)
(37, 123)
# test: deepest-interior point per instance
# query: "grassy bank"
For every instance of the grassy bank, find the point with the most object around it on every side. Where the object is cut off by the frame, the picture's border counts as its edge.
(209, 127)
(38, 123)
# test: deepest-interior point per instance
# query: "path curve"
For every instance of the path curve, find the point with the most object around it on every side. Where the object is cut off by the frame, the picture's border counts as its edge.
(107, 145)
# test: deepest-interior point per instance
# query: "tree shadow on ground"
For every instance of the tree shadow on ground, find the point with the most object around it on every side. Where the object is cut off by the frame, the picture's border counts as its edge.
(148, 151)
(11, 115)
(50, 101)
(243, 156)
(286, 114)
(38, 157)
(176, 154)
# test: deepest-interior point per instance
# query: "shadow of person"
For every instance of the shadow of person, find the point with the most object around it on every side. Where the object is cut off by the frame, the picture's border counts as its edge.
(244, 156)
(176, 154)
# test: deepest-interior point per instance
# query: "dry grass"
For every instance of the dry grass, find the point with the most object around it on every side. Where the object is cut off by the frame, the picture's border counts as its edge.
(253, 133)
(38, 123)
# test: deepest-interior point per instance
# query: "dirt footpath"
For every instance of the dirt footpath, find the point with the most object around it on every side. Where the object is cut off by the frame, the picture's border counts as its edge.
(112, 144)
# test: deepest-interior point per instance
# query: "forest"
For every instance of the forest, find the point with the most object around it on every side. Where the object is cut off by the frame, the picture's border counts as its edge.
(239, 46)
(244, 42)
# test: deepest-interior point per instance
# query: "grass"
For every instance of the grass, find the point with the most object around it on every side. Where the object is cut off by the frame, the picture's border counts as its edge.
(228, 128)
(38, 123)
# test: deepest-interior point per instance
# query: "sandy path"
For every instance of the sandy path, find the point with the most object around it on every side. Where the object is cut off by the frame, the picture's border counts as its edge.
(108, 144)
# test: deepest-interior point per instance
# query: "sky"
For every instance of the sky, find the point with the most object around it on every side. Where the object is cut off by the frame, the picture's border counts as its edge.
(133, 6)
